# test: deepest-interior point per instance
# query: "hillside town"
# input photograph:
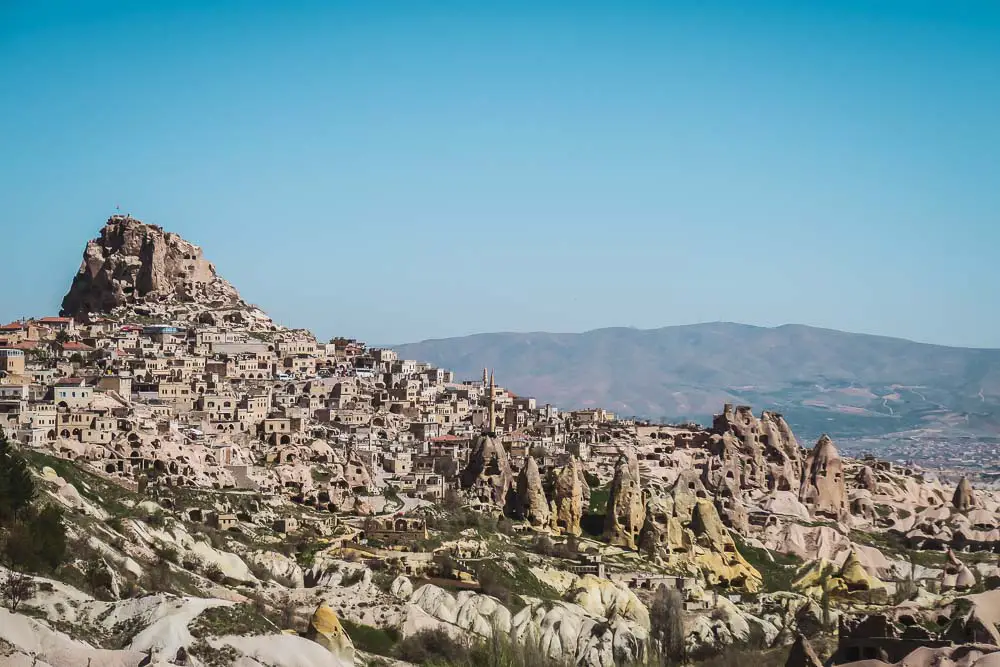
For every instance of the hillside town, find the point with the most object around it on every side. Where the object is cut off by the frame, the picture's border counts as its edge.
(339, 490)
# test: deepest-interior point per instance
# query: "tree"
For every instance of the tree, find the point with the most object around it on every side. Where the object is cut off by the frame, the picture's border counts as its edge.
(447, 467)
(157, 577)
(62, 336)
(15, 588)
(543, 545)
(666, 620)
(17, 488)
(452, 500)
(48, 534)
(98, 579)
(445, 565)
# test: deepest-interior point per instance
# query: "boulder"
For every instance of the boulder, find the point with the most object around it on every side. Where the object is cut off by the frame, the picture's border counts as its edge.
(325, 629)
(279, 568)
(362, 507)
(473, 612)
(855, 577)
(401, 588)
(956, 574)
(851, 579)
(607, 599)
(565, 632)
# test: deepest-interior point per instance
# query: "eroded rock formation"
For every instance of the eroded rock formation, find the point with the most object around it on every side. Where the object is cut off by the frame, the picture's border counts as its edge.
(964, 498)
(530, 502)
(769, 453)
(139, 267)
(823, 489)
(801, 654)
(568, 498)
(325, 629)
(626, 506)
(717, 554)
(488, 475)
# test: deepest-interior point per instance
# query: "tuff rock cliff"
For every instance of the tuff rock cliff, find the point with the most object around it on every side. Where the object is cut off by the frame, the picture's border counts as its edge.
(133, 268)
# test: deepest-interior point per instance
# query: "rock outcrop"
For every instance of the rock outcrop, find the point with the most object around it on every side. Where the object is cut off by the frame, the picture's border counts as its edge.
(488, 475)
(604, 598)
(763, 452)
(278, 567)
(716, 553)
(662, 533)
(956, 574)
(626, 506)
(568, 498)
(137, 268)
(823, 489)
(612, 630)
(964, 498)
(851, 579)
(401, 588)
(530, 502)
(325, 629)
(866, 479)
(801, 654)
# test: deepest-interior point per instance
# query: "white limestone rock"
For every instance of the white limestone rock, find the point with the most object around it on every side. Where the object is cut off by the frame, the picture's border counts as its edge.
(281, 568)
(401, 588)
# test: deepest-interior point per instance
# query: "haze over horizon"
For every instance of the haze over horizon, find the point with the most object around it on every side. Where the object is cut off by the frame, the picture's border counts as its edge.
(670, 326)
(405, 172)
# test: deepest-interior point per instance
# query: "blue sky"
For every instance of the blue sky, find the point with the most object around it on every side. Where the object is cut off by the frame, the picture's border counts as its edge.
(400, 171)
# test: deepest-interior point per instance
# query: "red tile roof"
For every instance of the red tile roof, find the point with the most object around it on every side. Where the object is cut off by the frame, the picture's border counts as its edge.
(72, 345)
(56, 320)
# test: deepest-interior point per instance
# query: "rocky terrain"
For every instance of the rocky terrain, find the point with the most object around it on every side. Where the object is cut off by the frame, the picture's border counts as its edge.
(184, 482)
(134, 269)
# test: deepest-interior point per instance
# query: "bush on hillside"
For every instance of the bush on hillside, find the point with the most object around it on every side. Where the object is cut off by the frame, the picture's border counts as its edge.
(33, 537)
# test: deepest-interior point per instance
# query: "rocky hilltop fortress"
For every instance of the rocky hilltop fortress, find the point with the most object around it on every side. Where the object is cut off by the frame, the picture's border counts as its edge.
(137, 269)
(185, 482)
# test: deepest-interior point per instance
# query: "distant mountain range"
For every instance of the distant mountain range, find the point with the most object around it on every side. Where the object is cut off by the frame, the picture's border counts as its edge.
(849, 385)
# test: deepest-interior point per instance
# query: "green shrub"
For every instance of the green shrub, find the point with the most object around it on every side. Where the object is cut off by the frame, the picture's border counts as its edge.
(166, 553)
(372, 640)
(214, 573)
(17, 487)
(37, 542)
(237, 619)
(433, 645)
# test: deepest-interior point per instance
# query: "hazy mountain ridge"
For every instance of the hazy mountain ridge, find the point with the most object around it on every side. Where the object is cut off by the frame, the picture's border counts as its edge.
(849, 384)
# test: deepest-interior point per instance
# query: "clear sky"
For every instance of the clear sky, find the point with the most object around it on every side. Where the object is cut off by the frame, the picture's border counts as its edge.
(400, 171)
